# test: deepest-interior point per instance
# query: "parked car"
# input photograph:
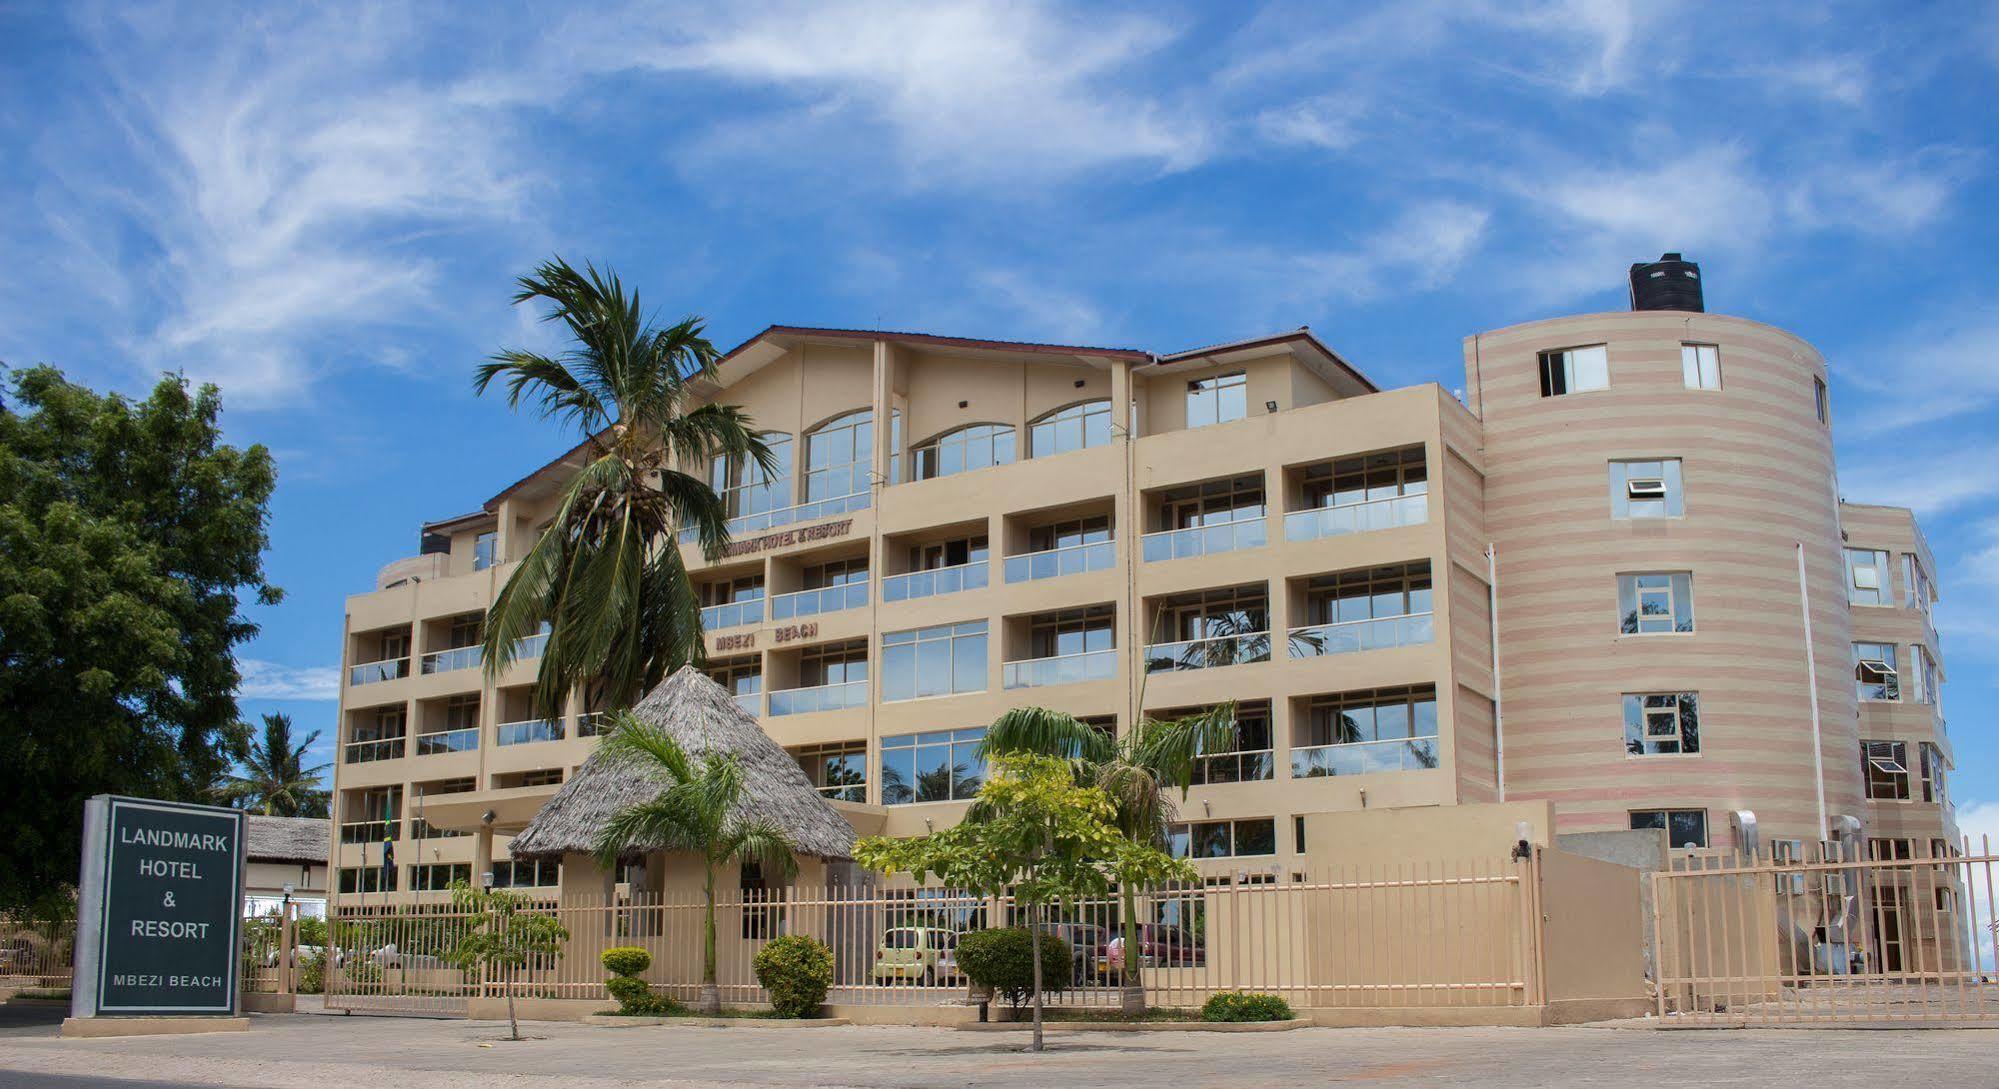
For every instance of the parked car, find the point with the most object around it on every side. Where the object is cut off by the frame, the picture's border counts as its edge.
(924, 954)
(1170, 946)
(1086, 943)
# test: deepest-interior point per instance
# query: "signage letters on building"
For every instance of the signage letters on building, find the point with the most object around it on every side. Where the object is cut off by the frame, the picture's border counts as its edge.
(789, 537)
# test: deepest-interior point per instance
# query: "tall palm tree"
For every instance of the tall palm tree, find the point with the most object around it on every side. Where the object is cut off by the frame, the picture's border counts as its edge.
(606, 576)
(697, 811)
(1136, 770)
(270, 773)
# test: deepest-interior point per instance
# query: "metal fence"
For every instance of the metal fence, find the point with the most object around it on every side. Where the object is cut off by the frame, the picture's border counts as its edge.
(395, 959)
(36, 955)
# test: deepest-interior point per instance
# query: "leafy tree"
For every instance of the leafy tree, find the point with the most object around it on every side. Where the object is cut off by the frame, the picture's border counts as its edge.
(607, 577)
(699, 810)
(503, 934)
(1134, 772)
(128, 535)
(271, 775)
(1036, 832)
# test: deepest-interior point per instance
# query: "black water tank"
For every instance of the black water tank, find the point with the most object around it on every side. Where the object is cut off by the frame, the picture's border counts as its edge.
(433, 543)
(1667, 284)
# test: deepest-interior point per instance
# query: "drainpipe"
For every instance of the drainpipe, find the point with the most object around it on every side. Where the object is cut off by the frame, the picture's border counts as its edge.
(1812, 697)
(1498, 707)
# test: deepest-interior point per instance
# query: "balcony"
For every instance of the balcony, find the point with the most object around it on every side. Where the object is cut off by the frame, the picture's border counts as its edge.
(1180, 544)
(530, 647)
(1387, 513)
(364, 752)
(1090, 665)
(1364, 757)
(938, 580)
(829, 599)
(753, 702)
(825, 697)
(1351, 636)
(732, 614)
(423, 829)
(746, 524)
(443, 741)
(389, 669)
(456, 658)
(1056, 562)
(1247, 766)
(521, 733)
(1208, 653)
(370, 831)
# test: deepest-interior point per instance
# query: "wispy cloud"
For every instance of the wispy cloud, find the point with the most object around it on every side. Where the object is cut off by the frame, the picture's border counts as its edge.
(264, 680)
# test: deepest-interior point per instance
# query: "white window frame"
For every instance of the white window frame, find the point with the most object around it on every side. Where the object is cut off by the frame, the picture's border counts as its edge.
(1877, 671)
(1584, 369)
(1700, 366)
(1867, 572)
(1890, 758)
(1673, 711)
(1634, 492)
(1676, 583)
(1213, 396)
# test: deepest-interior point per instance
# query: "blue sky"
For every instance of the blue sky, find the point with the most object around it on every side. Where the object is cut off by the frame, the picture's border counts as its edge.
(323, 209)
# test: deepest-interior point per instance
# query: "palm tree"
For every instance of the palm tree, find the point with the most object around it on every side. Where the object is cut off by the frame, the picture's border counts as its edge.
(1136, 770)
(698, 811)
(606, 576)
(271, 775)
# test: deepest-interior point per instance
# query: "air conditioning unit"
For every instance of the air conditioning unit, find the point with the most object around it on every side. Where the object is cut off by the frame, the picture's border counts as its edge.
(1645, 487)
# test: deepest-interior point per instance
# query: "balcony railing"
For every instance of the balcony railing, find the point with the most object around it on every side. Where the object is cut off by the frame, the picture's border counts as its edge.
(850, 792)
(1350, 636)
(744, 524)
(379, 748)
(1219, 650)
(753, 702)
(1388, 513)
(528, 648)
(1089, 665)
(825, 697)
(443, 741)
(1177, 544)
(445, 661)
(938, 580)
(592, 724)
(520, 733)
(828, 599)
(1056, 562)
(370, 831)
(388, 669)
(732, 614)
(1364, 757)
(423, 829)
(1247, 766)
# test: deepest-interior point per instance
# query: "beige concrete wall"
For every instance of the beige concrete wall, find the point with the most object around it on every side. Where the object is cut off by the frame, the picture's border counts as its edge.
(1595, 929)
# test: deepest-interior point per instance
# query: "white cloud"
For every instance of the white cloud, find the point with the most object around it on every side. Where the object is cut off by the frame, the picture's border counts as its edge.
(1420, 250)
(1326, 121)
(1938, 368)
(1043, 311)
(264, 680)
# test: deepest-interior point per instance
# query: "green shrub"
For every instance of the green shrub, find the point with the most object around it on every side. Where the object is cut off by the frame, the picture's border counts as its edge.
(626, 960)
(1245, 1006)
(311, 973)
(796, 970)
(999, 959)
(634, 995)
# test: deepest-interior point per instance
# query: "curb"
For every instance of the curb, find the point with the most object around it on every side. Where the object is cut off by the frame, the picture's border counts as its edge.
(1139, 1026)
(612, 1020)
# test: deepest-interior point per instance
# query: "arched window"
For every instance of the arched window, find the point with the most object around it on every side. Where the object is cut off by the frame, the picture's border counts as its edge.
(976, 446)
(838, 454)
(743, 485)
(1077, 427)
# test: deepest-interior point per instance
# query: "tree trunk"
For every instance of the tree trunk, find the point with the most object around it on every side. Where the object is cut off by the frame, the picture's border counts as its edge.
(514, 1023)
(1034, 951)
(711, 998)
(1131, 993)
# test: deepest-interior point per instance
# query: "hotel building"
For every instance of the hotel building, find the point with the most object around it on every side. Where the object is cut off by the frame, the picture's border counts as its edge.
(965, 526)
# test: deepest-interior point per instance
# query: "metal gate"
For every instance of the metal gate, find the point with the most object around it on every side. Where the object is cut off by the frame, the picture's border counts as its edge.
(394, 960)
(1904, 936)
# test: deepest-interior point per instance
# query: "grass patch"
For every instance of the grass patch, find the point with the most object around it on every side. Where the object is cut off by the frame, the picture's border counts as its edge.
(687, 1012)
(1106, 1016)
(48, 994)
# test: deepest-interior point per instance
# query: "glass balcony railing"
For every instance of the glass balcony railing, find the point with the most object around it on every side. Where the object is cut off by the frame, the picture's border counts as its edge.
(443, 741)
(529, 648)
(1178, 544)
(1247, 766)
(1090, 665)
(1220, 650)
(1388, 513)
(1056, 562)
(732, 614)
(748, 524)
(1350, 636)
(370, 831)
(1364, 757)
(388, 669)
(446, 661)
(753, 702)
(825, 697)
(828, 599)
(938, 580)
(380, 748)
(423, 829)
(520, 733)
(850, 792)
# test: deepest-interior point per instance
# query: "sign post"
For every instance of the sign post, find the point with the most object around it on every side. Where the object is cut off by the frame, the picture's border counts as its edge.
(159, 915)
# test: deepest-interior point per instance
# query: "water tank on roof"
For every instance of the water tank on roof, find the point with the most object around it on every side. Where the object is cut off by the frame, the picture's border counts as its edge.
(1669, 283)
(431, 544)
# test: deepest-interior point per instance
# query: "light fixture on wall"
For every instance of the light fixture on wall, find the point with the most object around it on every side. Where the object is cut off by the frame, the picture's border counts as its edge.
(1080, 383)
(964, 404)
(1270, 406)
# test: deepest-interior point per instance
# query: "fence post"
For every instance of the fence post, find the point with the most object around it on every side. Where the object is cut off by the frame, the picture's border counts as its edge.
(287, 948)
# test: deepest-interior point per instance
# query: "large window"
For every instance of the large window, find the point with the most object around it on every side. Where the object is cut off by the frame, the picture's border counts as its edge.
(1372, 593)
(1655, 603)
(1223, 839)
(1923, 673)
(1884, 766)
(1077, 427)
(1214, 503)
(1072, 631)
(940, 766)
(525, 874)
(1658, 723)
(1575, 370)
(837, 456)
(744, 486)
(935, 661)
(833, 663)
(439, 876)
(839, 772)
(1358, 733)
(1219, 399)
(484, 548)
(1683, 827)
(1936, 774)
(360, 879)
(1385, 475)
(1867, 577)
(1917, 592)
(1646, 489)
(1874, 674)
(1700, 366)
(979, 446)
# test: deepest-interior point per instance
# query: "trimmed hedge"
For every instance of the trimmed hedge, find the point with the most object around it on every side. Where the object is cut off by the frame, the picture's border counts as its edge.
(1245, 1006)
(626, 960)
(796, 970)
(634, 995)
(998, 958)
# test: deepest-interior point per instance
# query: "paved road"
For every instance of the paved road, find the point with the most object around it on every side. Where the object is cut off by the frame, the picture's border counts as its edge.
(305, 1052)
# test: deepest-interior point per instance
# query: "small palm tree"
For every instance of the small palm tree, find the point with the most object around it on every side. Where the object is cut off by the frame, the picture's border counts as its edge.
(606, 576)
(271, 775)
(1136, 770)
(699, 810)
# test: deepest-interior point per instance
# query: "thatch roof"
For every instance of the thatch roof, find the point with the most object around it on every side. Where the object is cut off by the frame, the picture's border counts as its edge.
(288, 839)
(704, 718)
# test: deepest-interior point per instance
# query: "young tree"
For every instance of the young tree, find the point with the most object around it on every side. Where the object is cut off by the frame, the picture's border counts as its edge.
(1035, 832)
(606, 576)
(503, 935)
(129, 534)
(698, 810)
(271, 775)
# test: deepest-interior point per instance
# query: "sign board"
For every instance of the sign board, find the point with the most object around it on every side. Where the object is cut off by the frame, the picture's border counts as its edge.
(159, 912)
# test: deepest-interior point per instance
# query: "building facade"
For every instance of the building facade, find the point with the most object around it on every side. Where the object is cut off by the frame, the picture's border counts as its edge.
(962, 527)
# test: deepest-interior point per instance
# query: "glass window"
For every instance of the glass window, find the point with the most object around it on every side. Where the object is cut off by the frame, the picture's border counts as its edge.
(1884, 765)
(1867, 577)
(939, 766)
(1917, 592)
(1645, 489)
(1821, 401)
(1223, 839)
(1661, 723)
(1214, 503)
(1683, 827)
(937, 661)
(1655, 603)
(482, 549)
(1385, 475)
(1874, 674)
(1082, 531)
(1575, 370)
(839, 772)
(525, 874)
(1925, 673)
(1372, 593)
(439, 876)
(1076, 427)
(979, 446)
(837, 456)
(1700, 366)
(1936, 786)
(1072, 631)
(1219, 399)
(833, 663)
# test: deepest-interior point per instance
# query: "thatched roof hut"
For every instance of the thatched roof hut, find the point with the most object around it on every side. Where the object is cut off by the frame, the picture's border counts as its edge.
(287, 839)
(704, 718)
